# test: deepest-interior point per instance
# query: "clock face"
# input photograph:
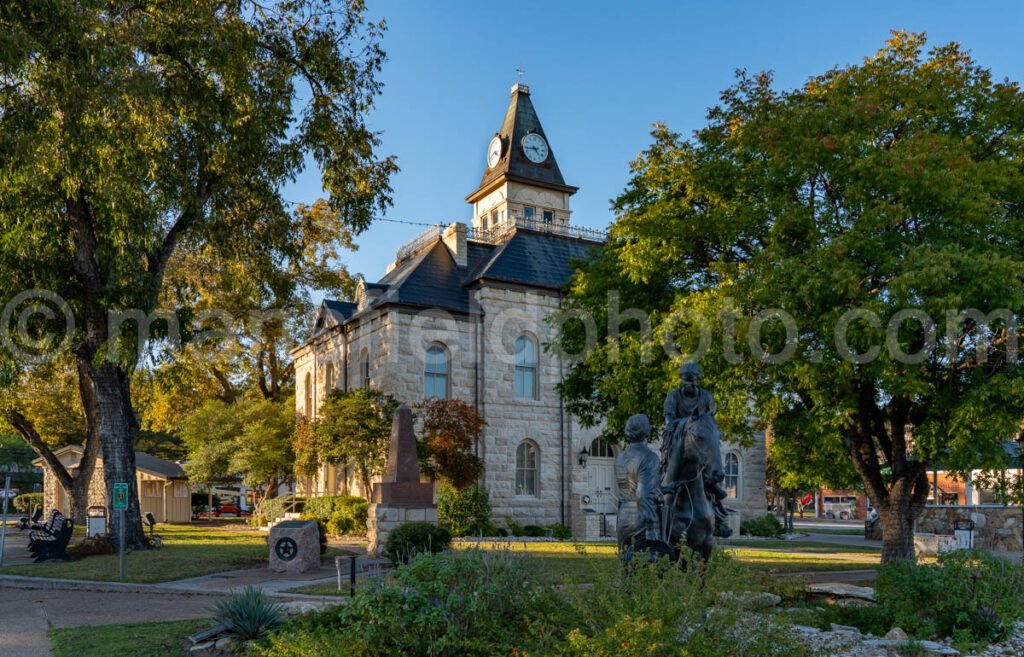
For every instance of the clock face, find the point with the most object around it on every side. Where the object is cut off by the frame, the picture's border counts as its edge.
(535, 147)
(493, 152)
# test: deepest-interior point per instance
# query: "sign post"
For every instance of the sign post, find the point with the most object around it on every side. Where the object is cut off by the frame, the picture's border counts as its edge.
(3, 523)
(120, 505)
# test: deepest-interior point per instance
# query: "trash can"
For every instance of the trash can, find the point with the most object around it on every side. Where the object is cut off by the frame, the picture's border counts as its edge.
(96, 521)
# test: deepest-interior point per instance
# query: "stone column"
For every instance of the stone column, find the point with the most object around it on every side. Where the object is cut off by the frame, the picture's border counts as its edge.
(400, 497)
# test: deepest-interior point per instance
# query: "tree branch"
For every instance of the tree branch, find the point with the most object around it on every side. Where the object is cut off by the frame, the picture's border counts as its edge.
(28, 432)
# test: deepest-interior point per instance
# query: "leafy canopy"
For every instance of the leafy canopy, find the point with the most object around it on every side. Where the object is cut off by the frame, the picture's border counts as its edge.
(893, 184)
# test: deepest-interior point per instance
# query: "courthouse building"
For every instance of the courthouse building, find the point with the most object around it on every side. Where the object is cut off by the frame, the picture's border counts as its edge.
(462, 312)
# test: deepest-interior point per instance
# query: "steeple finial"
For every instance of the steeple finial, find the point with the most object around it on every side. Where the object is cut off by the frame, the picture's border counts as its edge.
(519, 86)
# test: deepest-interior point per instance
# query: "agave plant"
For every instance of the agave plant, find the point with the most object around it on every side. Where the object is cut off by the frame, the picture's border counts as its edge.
(249, 615)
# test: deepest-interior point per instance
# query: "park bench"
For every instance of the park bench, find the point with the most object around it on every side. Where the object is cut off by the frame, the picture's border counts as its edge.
(55, 545)
(51, 540)
(27, 523)
(47, 532)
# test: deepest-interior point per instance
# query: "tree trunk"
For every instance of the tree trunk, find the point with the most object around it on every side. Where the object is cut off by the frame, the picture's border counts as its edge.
(118, 428)
(897, 533)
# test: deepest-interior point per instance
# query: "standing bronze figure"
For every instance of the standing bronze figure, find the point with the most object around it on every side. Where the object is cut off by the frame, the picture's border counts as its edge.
(638, 478)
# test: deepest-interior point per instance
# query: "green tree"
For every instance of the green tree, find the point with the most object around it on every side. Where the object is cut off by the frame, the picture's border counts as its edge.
(890, 185)
(162, 130)
(251, 439)
(355, 428)
(52, 405)
(805, 459)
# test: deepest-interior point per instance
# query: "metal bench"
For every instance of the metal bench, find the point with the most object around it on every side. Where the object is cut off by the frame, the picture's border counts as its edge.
(55, 546)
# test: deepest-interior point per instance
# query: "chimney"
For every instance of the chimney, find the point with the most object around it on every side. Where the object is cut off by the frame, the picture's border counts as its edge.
(455, 239)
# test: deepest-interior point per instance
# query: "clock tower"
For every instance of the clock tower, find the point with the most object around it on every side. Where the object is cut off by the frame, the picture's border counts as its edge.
(522, 184)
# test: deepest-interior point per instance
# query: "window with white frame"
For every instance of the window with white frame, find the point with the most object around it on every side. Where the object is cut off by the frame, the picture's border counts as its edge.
(602, 449)
(436, 373)
(180, 489)
(527, 458)
(526, 367)
(732, 475)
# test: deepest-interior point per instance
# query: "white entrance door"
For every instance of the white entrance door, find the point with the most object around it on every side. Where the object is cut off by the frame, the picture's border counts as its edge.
(601, 477)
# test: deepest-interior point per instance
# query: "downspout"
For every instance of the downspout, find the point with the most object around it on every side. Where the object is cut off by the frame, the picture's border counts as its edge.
(345, 354)
(561, 433)
(480, 400)
(170, 482)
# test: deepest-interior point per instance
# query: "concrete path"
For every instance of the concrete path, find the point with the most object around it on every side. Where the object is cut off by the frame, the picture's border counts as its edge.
(28, 614)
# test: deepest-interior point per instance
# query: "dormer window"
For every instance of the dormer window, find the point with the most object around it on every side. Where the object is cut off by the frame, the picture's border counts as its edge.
(529, 213)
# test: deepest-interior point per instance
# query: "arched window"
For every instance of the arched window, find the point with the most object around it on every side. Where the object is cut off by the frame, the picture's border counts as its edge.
(308, 390)
(329, 378)
(435, 373)
(526, 367)
(364, 368)
(732, 474)
(527, 458)
(602, 449)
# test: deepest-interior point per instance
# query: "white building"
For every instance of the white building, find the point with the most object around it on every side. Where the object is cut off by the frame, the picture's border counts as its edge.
(462, 313)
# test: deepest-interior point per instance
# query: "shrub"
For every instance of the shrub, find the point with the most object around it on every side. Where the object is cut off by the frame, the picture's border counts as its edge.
(321, 527)
(534, 531)
(768, 526)
(464, 512)
(561, 532)
(476, 603)
(25, 502)
(966, 595)
(249, 615)
(92, 546)
(514, 528)
(412, 538)
(344, 515)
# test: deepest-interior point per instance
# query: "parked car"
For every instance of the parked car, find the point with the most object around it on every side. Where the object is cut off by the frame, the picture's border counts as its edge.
(223, 511)
(231, 511)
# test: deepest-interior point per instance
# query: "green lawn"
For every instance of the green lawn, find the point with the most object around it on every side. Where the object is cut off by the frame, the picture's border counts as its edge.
(800, 546)
(134, 640)
(188, 551)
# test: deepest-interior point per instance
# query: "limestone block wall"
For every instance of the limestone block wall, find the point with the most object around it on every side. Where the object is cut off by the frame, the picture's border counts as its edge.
(509, 314)
(996, 528)
(381, 520)
(751, 501)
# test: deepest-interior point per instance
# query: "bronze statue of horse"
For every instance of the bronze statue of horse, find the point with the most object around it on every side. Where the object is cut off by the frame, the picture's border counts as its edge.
(694, 463)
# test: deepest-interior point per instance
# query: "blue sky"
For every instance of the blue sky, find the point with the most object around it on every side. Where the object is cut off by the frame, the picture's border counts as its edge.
(600, 73)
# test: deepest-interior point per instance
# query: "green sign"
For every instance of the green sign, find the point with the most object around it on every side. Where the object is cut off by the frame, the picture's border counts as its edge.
(120, 497)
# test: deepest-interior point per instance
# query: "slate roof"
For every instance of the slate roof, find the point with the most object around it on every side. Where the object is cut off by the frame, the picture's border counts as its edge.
(534, 259)
(520, 120)
(431, 279)
(158, 466)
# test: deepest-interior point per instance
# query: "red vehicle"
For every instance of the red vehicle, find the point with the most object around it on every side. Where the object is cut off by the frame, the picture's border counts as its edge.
(225, 511)
(231, 511)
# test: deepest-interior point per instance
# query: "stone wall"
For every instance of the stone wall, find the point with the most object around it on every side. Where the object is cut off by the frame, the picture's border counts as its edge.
(996, 528)
(382, 519)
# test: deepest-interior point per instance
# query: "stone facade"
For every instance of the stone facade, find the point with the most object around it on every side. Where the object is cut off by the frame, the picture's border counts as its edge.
(382, 519)
(996, 528)
(474, 291)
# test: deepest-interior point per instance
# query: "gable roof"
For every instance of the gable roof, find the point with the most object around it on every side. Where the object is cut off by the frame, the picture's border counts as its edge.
(332, 313)
(520, 120)
(144, 462)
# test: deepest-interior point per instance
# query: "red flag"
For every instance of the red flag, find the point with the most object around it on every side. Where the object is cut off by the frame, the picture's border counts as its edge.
(807, 500)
